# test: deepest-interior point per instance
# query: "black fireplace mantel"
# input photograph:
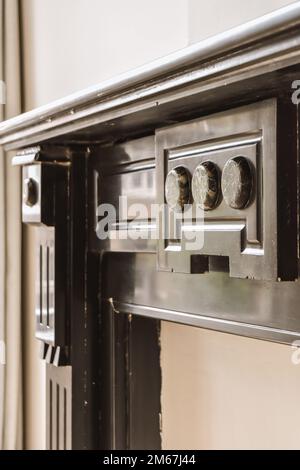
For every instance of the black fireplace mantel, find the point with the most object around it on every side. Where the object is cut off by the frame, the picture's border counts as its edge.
(216, 124)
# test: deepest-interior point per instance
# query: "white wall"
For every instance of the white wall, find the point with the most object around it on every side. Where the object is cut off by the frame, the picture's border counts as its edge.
(218, 390)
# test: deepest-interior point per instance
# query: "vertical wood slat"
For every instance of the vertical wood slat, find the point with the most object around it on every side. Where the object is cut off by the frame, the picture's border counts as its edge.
(49, 413)
(44, 285)
(62, 417)
(51, 284)
(58, 407)
(143, 384)
(69, 416)
(65, 419)
(40, 285)
(57, 420)
(54, 424)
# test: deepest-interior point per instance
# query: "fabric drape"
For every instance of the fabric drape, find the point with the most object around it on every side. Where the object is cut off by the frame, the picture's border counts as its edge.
(10, 237)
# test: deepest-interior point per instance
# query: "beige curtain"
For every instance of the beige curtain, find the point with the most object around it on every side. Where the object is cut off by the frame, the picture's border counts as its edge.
(10, 238)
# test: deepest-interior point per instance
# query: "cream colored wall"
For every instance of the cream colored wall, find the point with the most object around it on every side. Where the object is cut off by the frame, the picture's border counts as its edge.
(218, 390)
(71, 44)
(214, 16)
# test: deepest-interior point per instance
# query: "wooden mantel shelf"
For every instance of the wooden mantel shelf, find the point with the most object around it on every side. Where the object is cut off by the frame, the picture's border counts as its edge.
(226, 67)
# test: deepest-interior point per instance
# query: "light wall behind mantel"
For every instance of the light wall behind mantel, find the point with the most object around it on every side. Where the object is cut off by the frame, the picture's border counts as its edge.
(218, 390)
